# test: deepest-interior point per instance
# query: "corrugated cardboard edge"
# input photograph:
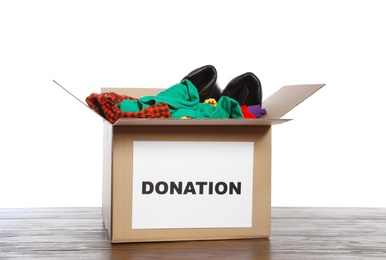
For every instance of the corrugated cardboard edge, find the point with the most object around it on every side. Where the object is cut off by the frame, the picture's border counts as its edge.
(107, 187)
(199, 122)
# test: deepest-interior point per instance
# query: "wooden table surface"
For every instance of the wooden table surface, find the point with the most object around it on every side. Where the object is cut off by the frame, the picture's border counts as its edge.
(297, 233)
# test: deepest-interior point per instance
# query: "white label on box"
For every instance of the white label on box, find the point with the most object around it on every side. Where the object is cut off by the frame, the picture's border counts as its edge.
(192, 184)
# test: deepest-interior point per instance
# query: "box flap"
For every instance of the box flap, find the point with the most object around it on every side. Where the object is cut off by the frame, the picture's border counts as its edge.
(134, 92)
(84, 103)
(288, 97)
(277, 105)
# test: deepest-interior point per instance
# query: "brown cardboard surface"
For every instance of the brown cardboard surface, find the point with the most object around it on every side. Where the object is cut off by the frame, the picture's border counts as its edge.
(122, 179)
(134, 92)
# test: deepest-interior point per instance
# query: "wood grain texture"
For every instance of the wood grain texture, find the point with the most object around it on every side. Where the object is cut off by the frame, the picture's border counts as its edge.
(297, 233)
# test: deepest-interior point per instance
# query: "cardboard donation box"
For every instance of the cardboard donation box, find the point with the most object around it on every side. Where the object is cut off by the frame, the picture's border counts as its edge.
(191, 179)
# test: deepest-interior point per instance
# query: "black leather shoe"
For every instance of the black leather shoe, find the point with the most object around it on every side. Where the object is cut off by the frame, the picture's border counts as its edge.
(245, 89)
(205, 80)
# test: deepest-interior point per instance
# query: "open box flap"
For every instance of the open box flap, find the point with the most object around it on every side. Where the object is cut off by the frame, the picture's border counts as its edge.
(134, 92)
(84, 103)
(277, 105)
(286, 98)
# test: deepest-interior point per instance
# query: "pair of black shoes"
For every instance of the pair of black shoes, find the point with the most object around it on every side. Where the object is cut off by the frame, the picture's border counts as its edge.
(245, 88)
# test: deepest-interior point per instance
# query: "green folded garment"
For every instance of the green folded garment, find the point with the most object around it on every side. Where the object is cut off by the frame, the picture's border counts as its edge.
(183, 101)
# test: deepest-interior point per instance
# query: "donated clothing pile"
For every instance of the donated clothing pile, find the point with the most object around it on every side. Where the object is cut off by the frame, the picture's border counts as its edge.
(197, 96)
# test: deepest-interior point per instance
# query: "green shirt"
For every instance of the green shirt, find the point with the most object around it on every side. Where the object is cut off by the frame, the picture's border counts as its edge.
(183, 101)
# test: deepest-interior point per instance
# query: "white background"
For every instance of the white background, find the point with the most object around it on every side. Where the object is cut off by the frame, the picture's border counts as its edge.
(332, 154)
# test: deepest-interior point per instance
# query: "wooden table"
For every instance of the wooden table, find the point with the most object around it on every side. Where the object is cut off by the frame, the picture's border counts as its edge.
(297, 233)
